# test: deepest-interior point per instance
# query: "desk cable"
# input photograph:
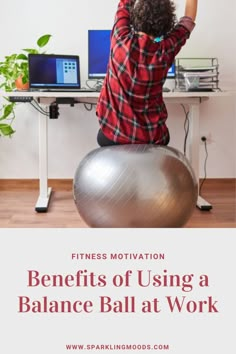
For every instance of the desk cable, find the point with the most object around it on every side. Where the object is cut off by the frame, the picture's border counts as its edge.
(34, 103)
(186, 127)
(88, 106)
(204, 140)
(97, 84)
(205, 164)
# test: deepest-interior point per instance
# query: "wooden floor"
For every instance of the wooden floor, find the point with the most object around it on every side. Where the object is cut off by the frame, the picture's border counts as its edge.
(18, 198)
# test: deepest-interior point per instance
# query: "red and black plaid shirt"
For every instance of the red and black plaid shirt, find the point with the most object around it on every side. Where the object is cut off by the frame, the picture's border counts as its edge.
(130, 108)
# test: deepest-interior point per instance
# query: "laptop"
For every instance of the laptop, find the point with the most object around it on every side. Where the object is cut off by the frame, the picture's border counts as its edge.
(55, 72)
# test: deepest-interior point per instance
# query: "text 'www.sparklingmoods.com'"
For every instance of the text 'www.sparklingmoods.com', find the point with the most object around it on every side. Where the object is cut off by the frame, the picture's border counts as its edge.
(110, 347)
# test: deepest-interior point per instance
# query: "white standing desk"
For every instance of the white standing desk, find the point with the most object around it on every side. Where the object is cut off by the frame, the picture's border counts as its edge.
(191, 99)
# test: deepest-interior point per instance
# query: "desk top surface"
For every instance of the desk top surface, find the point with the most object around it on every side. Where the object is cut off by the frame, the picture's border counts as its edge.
(171, 94)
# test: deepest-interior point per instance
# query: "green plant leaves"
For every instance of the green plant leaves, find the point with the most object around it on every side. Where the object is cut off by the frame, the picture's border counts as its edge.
(6, 130)
(15, 66)
(7, 110)
(31, 51)
(22, 57)
(8, 113)
(43, 40)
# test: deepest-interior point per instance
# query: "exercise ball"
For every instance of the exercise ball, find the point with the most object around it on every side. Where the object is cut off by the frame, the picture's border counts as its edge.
(135, 185)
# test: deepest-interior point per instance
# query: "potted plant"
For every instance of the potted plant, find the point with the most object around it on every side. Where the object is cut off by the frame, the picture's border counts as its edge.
(14, 74)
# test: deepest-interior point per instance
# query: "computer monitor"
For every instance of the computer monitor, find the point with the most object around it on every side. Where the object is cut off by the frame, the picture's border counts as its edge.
(171, 72)
(98, 53)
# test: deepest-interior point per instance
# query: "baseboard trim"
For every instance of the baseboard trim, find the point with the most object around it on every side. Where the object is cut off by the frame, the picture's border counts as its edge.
(30, 184)
(66, 184)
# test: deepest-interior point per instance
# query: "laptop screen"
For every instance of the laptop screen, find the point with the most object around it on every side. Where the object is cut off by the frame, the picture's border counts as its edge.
(51, 71)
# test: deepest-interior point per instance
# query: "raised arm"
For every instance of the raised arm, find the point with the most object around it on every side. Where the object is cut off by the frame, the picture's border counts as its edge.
(191, 9)
(122, 18)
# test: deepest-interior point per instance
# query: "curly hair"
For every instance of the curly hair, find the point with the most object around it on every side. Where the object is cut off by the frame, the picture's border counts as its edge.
(153, 17)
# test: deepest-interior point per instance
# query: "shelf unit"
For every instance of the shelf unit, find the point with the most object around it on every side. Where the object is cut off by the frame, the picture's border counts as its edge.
(197, 74)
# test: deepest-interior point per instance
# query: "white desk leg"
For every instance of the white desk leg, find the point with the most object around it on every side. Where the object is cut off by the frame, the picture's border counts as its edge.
(193, 149)
(44, 191)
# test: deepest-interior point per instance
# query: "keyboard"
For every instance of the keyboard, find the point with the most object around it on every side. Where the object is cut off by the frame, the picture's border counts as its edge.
(201, 89)
(86, 90)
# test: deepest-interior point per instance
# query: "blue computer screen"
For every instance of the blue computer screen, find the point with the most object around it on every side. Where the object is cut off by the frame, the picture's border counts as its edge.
(98, 53)
(171, 72)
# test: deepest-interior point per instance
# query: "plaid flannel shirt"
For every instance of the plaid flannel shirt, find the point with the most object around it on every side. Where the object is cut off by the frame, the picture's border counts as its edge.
(130, 108)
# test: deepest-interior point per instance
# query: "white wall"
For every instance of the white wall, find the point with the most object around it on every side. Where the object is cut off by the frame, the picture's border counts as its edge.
(74, 133)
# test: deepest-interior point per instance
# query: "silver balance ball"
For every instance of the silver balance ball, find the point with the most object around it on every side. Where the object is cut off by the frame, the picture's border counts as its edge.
(135, 186)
